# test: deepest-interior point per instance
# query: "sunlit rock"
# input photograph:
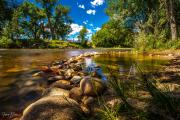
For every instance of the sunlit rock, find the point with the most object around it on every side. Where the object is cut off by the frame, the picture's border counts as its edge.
(56, 91)
(53, 108)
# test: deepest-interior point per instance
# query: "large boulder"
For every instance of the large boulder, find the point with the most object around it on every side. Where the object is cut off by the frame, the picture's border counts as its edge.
(53, 108)
(92, 86)
(56, 91)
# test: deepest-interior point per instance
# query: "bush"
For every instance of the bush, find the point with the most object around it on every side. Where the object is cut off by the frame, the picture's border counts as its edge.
(5, 42)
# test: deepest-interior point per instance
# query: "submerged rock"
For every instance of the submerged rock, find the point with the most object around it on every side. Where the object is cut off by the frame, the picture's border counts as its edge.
(92, 86)
(53, 108)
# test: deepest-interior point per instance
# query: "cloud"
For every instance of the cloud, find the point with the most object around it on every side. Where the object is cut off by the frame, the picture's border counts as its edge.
(91, 25)
(85, 22)
(75, 28)
(97, 2)
(97, 29)
(93, 12)
(81, 6)
(89, 31)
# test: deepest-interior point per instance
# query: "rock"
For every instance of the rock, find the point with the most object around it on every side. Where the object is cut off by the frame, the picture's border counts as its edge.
(64, 84)
(76, 79)
(55, 69)
(113, 102)
(78, 68)
(87, 100)
(75, 93)
(92, 86)
(55, 78)
(53, 108)
(85, 110)
(69, 73)
(169, 87)
(95, 74)
(45, 69)
(37, 74)
(56, 91)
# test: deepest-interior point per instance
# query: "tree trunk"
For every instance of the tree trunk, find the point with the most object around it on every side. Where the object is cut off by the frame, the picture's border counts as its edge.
(173, 24)
(50, 27)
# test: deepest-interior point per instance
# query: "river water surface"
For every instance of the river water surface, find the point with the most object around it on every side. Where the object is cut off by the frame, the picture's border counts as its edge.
(17, 67)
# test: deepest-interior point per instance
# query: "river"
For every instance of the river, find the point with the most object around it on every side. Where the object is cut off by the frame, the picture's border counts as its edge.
(18, 65)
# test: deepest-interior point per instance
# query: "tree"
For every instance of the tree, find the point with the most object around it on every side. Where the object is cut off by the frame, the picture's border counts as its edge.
(82, 36)
(6, 10)
(57, 17)
(172, 18)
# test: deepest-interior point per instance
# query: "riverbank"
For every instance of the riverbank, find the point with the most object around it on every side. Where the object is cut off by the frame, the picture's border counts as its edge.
(94, 98)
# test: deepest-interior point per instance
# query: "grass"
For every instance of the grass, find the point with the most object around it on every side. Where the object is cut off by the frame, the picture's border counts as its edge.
(161, 104)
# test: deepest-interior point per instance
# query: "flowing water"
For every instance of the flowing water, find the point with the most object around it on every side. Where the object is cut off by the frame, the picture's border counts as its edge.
(17, 67)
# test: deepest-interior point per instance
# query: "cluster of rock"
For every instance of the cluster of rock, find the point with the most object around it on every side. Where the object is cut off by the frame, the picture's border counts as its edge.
(70, 92)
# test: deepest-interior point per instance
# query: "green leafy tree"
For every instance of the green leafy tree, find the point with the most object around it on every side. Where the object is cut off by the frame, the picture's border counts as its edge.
(82, 36)
(57, 17)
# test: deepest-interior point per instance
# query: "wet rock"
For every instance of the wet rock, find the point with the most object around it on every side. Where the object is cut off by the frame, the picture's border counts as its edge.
(92, 86)
(76, 79)
(56, 91)
(55, 78)
(53, 108)
(64, 84)
(77, 68)
(45, 69)
(69, 73)
(37, 74)
(55, 69)
(75, 93)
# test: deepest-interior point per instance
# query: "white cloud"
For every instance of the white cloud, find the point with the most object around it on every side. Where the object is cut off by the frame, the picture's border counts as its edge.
(85, 22)
(97, 29)
(91, 25)
(93, 12)
(89, 31)
(81, 6)
(75, 28)
(97, 2)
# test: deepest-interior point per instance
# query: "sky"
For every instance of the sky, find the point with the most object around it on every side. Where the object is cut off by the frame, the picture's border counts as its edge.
(88, 13)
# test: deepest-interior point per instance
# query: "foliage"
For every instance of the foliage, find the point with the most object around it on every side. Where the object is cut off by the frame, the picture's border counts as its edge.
(141, 24)
(62, 44)
(5, 42)
(30, 23)
(82, 36)
(113, 34)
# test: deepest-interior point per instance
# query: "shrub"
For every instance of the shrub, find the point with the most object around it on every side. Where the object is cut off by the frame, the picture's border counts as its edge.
(5, 42)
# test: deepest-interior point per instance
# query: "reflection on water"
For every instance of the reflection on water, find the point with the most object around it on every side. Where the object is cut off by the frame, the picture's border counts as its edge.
(17, 67)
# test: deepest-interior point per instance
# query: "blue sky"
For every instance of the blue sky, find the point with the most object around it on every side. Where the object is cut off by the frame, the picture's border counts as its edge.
(89, 13)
